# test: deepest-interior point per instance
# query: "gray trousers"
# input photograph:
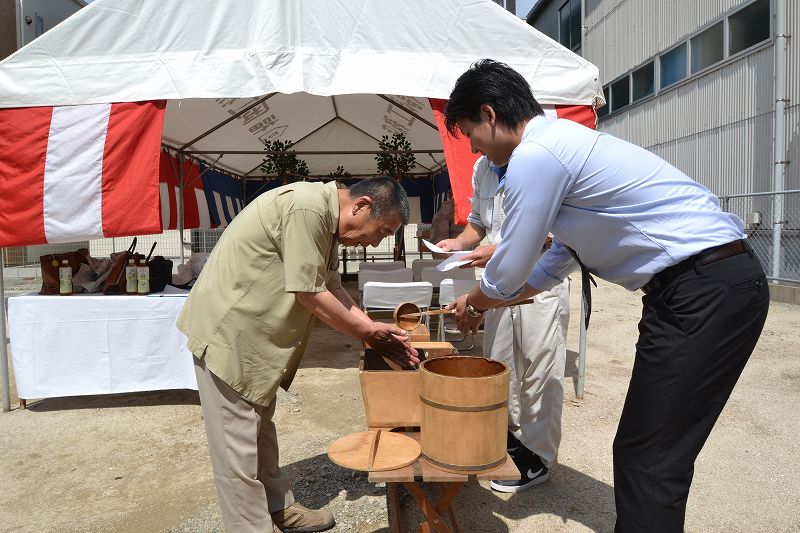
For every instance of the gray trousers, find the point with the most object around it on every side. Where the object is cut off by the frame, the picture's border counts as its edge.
(243, 446)
(531, 341)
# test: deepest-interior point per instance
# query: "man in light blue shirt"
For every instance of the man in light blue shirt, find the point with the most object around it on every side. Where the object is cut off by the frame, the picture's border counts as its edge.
(633, 219)
(529, 339)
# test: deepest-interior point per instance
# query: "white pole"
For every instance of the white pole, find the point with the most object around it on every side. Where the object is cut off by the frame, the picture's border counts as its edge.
(583, 28)
(779, 169)
(3, 343)
(180, 204)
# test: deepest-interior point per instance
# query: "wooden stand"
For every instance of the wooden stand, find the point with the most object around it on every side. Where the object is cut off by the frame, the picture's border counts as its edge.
(434, 513)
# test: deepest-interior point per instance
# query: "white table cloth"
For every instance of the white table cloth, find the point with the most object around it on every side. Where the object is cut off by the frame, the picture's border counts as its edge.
(95, 344)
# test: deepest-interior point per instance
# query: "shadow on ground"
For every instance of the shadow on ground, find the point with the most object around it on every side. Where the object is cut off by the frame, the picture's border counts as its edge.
(571, 495)
(104, 401)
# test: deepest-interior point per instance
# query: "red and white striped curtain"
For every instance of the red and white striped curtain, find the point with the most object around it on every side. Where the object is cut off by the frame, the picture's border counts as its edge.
(79, 172)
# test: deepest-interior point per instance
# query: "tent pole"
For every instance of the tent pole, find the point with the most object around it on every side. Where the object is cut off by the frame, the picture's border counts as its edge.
(3, 339)
(180, 204)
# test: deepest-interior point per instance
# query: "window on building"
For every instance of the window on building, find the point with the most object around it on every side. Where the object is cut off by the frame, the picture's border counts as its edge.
(620, 94)
(644, 81)
(603, 111)
(748, 27)
(569, 24)
(673, 65)
(707, 47)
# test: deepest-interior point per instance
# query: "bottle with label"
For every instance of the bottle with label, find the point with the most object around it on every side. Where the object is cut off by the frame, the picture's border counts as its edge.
(131, 277)
(65, 278)
(144, 278)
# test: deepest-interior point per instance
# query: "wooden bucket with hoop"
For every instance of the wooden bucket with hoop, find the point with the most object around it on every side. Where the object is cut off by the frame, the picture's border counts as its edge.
(464, 413)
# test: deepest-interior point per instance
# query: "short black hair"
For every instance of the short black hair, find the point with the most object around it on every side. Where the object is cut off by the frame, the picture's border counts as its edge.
(494, 83)
(388, 196)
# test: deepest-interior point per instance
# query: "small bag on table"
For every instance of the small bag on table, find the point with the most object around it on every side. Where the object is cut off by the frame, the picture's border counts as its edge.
(50, 264)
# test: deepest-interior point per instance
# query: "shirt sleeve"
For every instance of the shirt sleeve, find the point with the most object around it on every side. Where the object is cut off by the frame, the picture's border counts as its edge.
(552, 267)
(536, 183)
(305, 242)
(333, 281)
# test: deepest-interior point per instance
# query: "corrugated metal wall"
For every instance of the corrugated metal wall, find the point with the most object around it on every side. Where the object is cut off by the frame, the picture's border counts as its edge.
(718, 128)
(793, 93)
(624, 33)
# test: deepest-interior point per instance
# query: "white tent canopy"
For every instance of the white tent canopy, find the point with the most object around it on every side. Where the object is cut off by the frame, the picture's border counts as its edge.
(326, 71)
(316, 72)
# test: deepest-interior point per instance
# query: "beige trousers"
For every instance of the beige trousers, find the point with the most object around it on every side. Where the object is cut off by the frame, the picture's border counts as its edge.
(531, 340)
(244, 454)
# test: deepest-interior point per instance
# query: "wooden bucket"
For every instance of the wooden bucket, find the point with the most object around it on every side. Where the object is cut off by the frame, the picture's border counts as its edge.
(464, 413)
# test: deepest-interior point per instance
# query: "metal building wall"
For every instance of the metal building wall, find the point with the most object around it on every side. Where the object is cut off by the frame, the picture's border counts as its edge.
(718, 127)
(624, 33)
(792, 120)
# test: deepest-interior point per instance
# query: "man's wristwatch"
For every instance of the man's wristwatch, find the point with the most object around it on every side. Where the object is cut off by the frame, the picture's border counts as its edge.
(473, 311)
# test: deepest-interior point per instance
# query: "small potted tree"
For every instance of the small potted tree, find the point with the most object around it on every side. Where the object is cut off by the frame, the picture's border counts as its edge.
(282, 162)
(395, 159)
(338, 175)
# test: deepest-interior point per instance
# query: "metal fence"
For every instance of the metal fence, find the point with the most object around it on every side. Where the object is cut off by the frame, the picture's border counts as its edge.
(772, 223)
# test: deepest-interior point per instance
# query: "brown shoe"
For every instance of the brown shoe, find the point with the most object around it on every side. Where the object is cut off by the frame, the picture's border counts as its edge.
(297, 518)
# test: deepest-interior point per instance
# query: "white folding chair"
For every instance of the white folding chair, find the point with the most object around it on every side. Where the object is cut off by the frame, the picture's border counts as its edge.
(449, 290)
(383, 266)
(418, 264)
(382, 296)
(435, 277)
(400, 275)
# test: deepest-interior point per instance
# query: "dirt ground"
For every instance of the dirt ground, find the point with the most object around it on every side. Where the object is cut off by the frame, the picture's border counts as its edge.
(139, 462)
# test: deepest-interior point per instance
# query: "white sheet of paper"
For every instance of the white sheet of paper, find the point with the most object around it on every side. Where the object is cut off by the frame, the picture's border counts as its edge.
(433, 248)
(454, 261)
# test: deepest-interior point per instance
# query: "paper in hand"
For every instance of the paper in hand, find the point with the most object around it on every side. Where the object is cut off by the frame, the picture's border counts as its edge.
(454, 261)
(433, 248)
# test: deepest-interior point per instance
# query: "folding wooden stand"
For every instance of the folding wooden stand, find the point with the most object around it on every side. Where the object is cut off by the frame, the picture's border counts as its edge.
(434, 512)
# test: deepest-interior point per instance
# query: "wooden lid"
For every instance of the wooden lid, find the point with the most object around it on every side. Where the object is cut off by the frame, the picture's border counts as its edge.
(374, 451)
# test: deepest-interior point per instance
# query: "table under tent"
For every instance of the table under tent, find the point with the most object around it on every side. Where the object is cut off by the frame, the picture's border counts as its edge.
(213, 82)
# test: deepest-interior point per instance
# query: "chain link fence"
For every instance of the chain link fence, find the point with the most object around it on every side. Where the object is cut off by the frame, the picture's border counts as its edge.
(772, 224)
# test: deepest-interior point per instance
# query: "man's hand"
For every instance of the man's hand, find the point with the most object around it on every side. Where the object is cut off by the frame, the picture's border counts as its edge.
(479, 256)
(450, 245)
(466, 324)
(391, 341)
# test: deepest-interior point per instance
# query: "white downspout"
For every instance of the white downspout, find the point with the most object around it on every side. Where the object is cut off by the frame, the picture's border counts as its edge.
(780, 162)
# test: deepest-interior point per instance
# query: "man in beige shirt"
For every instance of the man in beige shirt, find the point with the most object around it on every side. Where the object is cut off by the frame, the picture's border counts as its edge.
(248, 319)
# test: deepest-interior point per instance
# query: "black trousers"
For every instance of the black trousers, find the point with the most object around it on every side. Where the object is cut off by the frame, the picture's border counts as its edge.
(695, 337)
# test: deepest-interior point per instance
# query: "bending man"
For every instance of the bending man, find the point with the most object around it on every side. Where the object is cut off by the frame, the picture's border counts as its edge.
(248, 319)
(633, 219)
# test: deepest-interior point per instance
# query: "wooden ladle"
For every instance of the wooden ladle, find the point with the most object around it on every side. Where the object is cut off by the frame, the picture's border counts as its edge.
(408, 315)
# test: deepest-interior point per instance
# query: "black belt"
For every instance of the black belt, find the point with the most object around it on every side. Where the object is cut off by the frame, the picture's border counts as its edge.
(705, 257)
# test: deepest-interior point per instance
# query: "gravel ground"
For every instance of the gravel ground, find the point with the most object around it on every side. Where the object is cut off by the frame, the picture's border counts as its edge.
(139, 462)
